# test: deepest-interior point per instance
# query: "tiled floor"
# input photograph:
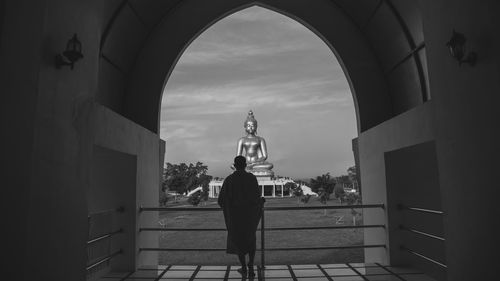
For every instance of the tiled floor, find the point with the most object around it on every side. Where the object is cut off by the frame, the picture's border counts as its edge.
(308, 272)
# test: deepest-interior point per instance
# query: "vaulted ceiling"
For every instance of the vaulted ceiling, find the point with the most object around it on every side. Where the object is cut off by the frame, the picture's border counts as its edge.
(390, 30)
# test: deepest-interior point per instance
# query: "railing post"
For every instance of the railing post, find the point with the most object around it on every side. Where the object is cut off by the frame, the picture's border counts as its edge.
(262, 235)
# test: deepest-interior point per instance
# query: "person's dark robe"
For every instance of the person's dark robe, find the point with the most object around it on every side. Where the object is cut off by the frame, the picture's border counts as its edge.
(241, 203)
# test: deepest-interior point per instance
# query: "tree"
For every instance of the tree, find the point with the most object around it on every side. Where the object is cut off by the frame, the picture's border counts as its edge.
(343, 180)
(324, 181)
(204, 181)
(182, 178)
(323, 185)
(353, 199)
(163, 198)
(352, 173)
(339, 192)
(305, 198)
(195, 198)
(323, 196)
(294, 189)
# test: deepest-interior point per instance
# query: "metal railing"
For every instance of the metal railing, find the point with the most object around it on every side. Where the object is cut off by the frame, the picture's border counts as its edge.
(103, 260)
(92, 241)
(116, 210)
(420, 233)
(421, 210)
(402, 227)
(104, 236)
(263, 228)
(423, 257)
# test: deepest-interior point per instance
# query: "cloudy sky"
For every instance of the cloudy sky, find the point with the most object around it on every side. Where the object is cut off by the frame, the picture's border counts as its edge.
(260, 60)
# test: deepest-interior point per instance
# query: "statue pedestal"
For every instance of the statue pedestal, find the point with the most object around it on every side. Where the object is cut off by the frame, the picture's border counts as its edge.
(263, 178)
(261, 173)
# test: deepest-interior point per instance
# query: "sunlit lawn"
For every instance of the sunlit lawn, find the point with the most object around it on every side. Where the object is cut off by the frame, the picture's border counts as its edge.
(273, 239)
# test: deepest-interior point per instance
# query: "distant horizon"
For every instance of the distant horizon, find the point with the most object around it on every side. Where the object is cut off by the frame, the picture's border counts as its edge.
(257, 59)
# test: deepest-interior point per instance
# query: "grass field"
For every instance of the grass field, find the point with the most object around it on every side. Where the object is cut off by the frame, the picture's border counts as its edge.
(292, 238)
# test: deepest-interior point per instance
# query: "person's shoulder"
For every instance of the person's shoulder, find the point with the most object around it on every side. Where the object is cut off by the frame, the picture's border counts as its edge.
(250, 175)
(229, 178)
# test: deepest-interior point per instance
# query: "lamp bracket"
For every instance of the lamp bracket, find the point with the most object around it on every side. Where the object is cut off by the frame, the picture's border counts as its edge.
(59, 62)
(470, 59)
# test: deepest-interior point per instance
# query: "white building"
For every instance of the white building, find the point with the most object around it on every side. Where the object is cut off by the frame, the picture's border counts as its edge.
(269, 187)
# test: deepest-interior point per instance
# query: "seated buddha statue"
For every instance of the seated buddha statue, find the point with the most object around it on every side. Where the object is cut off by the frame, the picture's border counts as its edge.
(254, 149)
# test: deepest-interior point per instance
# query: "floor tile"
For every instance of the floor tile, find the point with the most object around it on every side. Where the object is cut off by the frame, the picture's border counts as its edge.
(146, 274)
(348, 278)
(312, 279)
(382, 278)
(211, 274)
(152, 267)
(277, 273)
(336, 265)
(417, 277)
(340, 271)
(177, 274)
(364, 265)
(276, 267)
(403, 270)
(308, 272)
(294, 266)
(233, 273)
(213, 267)
(183, 267)
(372, 270)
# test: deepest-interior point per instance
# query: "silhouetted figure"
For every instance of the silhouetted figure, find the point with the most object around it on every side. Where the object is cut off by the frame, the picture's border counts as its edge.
(241, 203)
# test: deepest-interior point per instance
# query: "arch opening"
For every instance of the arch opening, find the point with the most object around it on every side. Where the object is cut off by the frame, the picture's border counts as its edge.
(278, 67)
(265, 7)
(289, 78)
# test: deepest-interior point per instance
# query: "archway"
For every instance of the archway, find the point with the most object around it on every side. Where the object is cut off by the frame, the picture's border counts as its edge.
(260, 60)
(380, 45)
(297, 74)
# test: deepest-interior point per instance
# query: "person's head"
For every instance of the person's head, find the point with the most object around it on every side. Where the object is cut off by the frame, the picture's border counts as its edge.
(240, 162)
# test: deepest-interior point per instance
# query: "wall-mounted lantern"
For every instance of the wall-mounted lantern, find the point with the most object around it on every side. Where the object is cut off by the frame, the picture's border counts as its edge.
(456, 46)
(72, 53)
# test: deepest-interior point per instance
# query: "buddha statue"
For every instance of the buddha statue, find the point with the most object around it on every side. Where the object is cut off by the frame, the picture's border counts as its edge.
(254, 149)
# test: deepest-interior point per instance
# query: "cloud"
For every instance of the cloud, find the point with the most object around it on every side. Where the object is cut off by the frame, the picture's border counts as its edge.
(230, 98)
(213, 53)
(258, 70)
(250, 33)
(183, 129)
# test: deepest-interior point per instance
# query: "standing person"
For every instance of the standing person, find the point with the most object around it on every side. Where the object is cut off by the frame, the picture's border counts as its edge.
(241, 203)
